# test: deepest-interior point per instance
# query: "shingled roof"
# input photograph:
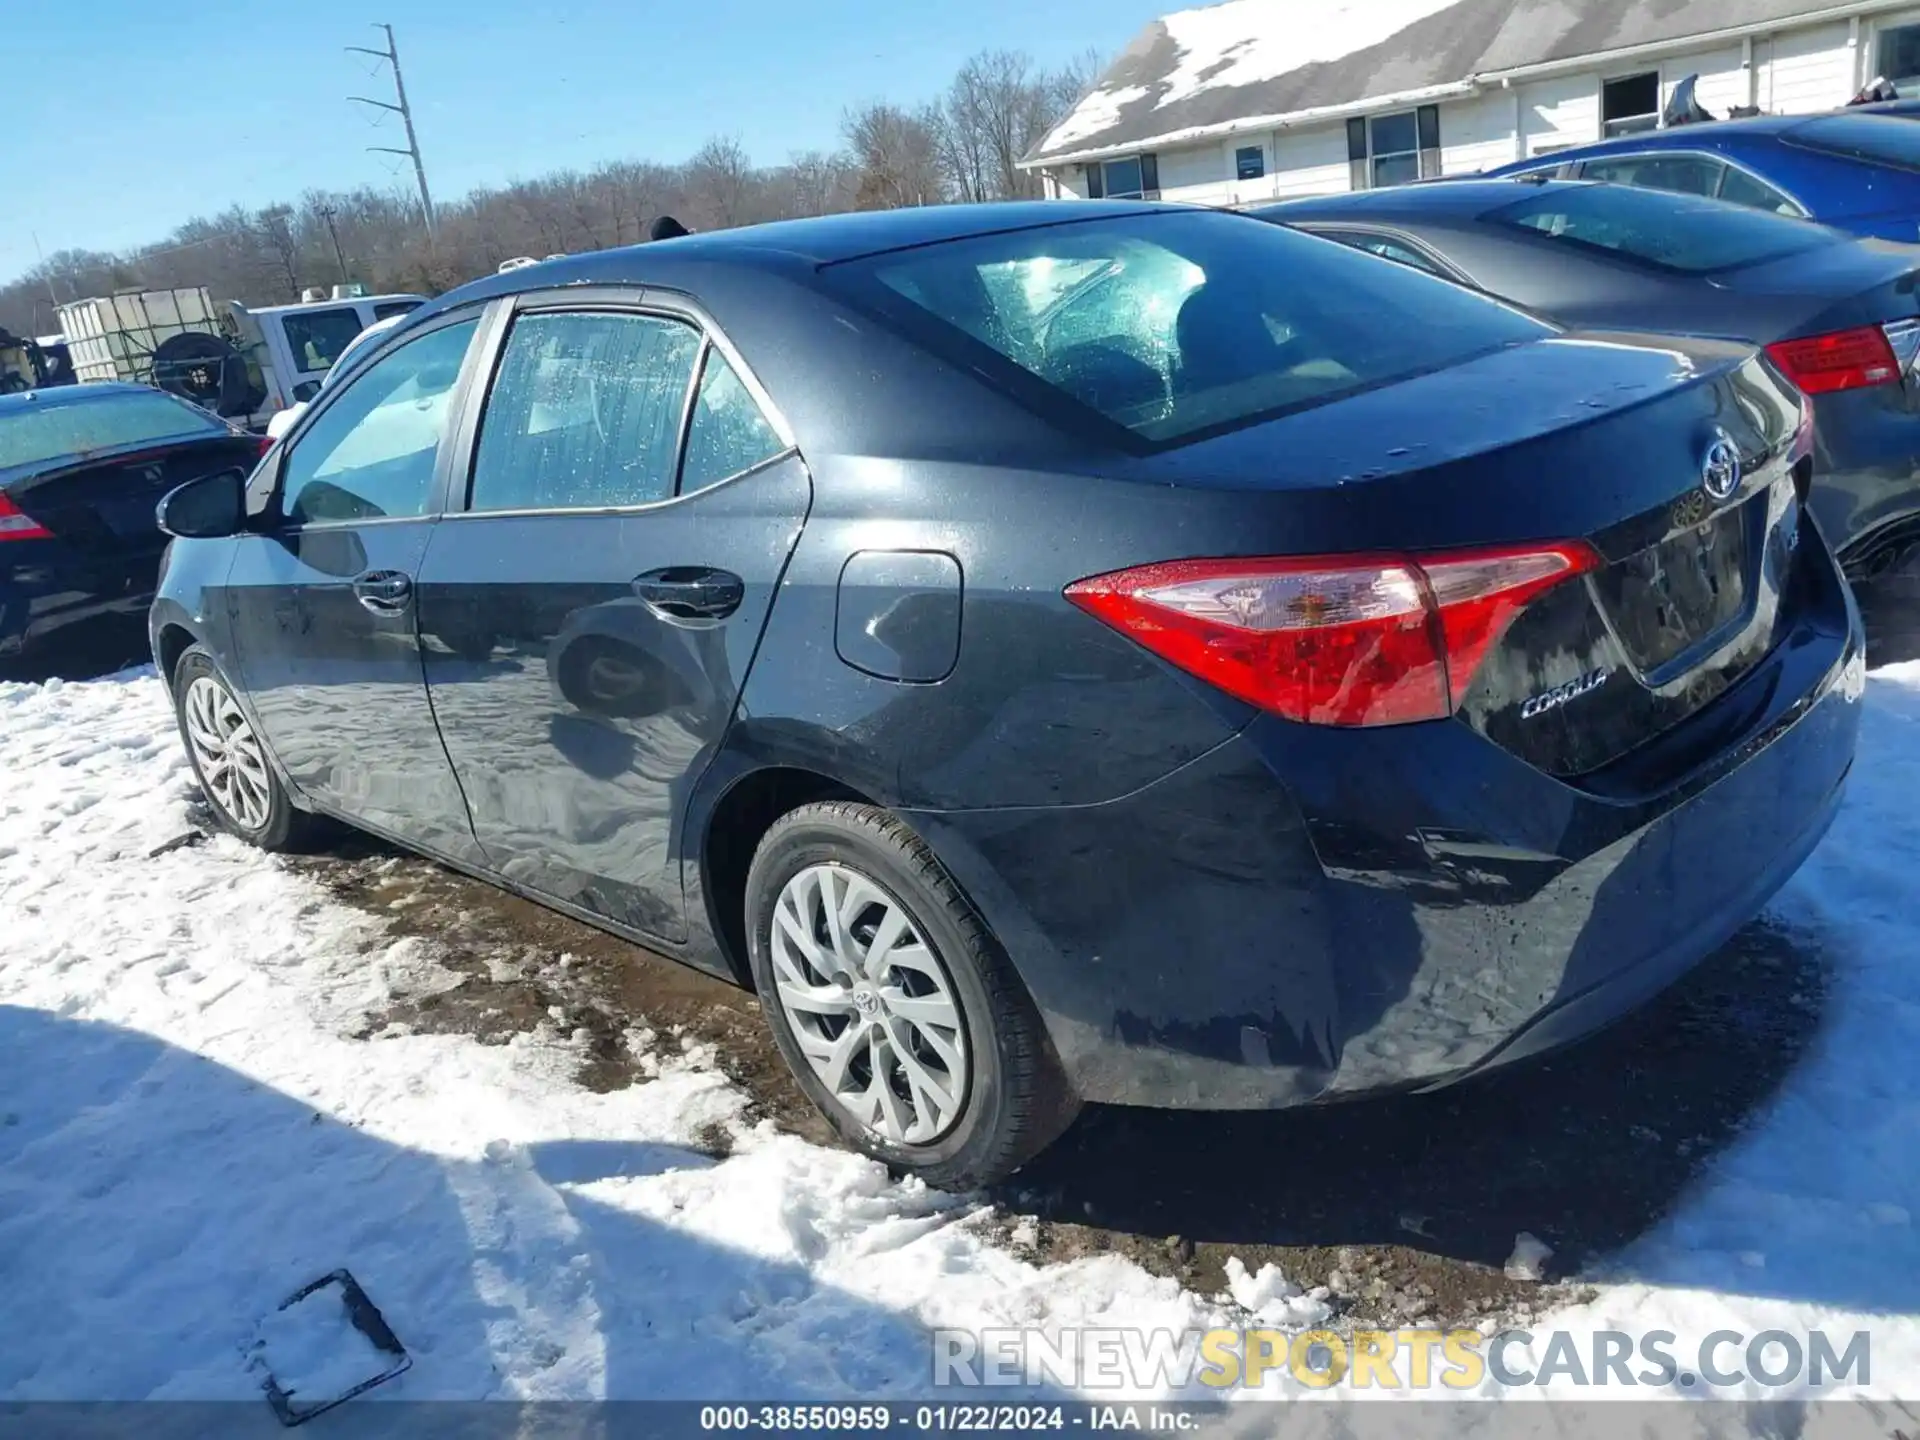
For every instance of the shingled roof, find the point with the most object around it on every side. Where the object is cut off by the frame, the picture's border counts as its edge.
(1255, 63)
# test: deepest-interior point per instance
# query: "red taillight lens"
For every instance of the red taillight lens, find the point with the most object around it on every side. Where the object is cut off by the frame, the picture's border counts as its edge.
(16, 526)
(265, 443)
(1844, 360)
(1351, 640)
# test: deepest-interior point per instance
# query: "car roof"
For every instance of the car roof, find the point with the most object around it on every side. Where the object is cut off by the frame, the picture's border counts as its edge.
(782, 245)
(332, 304)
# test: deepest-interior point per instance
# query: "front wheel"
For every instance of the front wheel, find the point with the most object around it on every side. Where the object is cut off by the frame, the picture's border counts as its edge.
(230, 760)
(897, 1012)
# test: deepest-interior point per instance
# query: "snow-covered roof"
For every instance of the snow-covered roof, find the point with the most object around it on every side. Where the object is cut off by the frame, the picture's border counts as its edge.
(1205, 72)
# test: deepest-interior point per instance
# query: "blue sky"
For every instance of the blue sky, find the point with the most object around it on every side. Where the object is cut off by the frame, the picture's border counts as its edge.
(145, 114)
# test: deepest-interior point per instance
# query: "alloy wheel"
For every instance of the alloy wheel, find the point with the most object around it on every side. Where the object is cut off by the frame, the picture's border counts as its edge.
(870, 1004)
(232, 762)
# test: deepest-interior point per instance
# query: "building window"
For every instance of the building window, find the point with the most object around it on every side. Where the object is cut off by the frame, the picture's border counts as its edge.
(1899, 52)
(1630, 105)
(1393, 149)
(1249, 162)
(1135, 178)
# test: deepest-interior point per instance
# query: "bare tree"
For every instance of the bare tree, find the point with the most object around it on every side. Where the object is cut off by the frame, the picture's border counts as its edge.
(965, 146)
(896, 156)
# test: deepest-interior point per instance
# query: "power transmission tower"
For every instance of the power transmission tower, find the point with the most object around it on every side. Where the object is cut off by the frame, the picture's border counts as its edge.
(392, 56)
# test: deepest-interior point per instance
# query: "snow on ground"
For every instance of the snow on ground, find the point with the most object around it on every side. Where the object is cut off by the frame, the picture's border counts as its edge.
(188, 1136)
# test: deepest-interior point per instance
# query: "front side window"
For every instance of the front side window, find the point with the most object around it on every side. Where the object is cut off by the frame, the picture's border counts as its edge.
(50, 427)
(1177, 324)
(585, 412)
(1678, 174)
(728, 433)
(1673, 232)
(1630, 105)
(371, 454)
(317, 337)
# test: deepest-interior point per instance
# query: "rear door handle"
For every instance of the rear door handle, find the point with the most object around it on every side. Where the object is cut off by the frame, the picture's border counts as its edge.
(691, 592)
(384, 592)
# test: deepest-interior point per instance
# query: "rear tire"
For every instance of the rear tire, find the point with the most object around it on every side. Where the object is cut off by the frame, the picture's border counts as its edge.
(230, 759)
(870, 963)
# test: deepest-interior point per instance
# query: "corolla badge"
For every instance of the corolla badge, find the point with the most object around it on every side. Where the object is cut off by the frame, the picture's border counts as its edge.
(1720, 467)
(1564, 694)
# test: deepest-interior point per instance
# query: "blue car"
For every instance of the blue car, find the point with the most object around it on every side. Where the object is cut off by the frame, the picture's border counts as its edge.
(1854, 171)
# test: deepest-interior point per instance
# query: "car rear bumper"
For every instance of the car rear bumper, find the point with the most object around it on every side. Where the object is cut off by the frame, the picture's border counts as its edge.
(34, 607)
(1307, 914)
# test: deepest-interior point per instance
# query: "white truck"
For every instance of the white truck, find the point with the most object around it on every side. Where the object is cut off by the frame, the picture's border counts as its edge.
(246, 365)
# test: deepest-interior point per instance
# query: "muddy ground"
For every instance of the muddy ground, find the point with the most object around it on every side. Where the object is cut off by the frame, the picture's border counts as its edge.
(1406, 1208)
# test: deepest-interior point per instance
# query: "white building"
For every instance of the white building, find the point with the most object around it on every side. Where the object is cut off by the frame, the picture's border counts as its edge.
(1256, 100)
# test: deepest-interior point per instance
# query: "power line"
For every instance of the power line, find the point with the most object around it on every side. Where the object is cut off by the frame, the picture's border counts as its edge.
(392, 56)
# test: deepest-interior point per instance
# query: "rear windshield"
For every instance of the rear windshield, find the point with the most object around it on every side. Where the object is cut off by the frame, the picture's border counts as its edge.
(1686, 233)
(1182, 322)
(1882, 139)
(46, 429)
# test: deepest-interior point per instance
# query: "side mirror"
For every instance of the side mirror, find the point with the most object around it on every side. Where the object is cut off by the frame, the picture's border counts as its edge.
(209, 508)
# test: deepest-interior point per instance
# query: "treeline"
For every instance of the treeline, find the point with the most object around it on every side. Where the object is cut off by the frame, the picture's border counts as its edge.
(961, 147)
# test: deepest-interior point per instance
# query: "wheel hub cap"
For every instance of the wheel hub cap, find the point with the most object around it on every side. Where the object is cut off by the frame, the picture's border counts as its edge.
(232, 763)
(870, 1003)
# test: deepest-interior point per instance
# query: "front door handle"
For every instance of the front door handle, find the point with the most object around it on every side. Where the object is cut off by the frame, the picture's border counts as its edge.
(384, 592)
(691, 592)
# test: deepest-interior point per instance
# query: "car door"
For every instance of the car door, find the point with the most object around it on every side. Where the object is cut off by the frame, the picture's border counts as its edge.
(587, 619)
(321, 597)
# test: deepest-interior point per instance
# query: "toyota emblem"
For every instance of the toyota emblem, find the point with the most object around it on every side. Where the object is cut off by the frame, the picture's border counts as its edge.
(1720, 469)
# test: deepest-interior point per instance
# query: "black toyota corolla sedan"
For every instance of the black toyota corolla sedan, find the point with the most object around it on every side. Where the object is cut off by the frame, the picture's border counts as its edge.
(81, 468)
(1840, 315)
(1053, 653)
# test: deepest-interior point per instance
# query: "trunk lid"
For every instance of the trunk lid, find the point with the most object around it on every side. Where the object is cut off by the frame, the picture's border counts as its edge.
(104, 503)
(1682, 463)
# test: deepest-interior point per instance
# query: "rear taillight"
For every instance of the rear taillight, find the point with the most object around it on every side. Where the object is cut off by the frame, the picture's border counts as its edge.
(1843, 360)
(16, 526)
(1348, 640)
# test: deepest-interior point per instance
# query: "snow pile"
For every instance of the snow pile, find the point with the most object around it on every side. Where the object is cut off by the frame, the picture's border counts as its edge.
(1272, 1299)
(188, 1135)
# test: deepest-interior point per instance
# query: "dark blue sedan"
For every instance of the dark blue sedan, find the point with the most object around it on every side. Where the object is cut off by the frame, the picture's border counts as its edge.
(81, 469)
(1053, 653)
(1853, 171)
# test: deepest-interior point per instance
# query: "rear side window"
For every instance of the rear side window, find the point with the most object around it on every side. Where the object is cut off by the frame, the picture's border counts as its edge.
(1682, 233)
(1679, 174)
(1383, 246)
(585, 413)
(392, 308)
(1880, 139)
(1184, 322)
(728, 433)
(35, 431)
(371, 454)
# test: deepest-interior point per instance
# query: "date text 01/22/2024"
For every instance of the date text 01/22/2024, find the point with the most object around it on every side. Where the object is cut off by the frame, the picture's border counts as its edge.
(937, 1419)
